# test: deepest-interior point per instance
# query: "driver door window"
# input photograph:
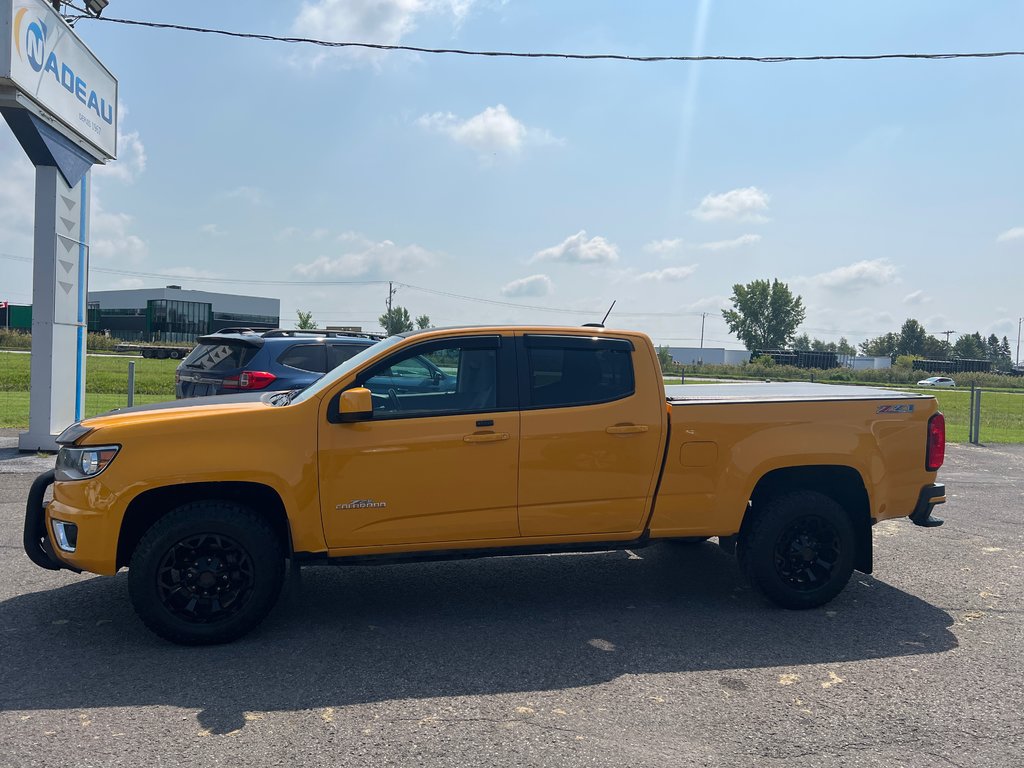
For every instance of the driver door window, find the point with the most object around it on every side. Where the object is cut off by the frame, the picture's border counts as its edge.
(456, 378)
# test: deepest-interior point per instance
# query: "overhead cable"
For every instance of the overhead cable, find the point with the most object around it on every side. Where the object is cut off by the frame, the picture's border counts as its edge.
(539, 55)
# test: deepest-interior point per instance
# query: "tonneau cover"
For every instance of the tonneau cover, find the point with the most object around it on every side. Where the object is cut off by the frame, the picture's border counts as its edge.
(749, 392)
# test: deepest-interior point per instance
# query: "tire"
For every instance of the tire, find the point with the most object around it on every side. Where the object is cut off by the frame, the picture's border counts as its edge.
(799, 550)
(207, 572)
(174, 354)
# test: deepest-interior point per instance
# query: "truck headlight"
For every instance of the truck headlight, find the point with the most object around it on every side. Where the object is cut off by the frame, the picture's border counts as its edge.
(85, 461)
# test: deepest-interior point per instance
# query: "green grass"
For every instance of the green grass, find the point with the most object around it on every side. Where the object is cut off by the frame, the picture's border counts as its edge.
(1002, 415)
(106, 375)
(106, 385)
(14, 405)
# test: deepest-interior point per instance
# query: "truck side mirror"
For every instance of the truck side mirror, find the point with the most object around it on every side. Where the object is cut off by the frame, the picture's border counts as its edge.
(355, 404)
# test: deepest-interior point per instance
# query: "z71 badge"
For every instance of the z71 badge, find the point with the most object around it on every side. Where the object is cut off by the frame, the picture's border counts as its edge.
(895, 409)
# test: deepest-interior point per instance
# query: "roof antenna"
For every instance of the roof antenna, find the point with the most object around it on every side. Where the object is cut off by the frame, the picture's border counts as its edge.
(601, 324)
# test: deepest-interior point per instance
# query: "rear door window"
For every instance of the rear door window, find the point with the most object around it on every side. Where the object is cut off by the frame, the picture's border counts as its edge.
(577, 371)
(228, 356)
(305, 357)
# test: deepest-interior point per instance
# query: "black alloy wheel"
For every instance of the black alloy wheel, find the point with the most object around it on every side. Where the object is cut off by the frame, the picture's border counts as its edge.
(205, 578)
(206, 572)
(807, 552)
(798, 549)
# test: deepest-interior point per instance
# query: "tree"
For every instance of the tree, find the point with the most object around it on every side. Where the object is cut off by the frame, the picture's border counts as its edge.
(423, 322)
(880, 346)
(665, 358)
(306, 321)
(845, 348)
(911, 338)
(802, 342)
(765, 315)
(971, 346)
(395, 320)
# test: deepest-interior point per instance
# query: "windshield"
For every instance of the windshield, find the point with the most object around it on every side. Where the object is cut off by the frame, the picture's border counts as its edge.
(345, 368)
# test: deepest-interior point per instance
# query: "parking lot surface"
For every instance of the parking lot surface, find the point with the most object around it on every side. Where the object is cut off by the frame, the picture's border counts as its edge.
(659, 657)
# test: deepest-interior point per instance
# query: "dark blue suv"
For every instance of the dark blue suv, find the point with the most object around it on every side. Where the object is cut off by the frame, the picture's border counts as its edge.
(242, 360)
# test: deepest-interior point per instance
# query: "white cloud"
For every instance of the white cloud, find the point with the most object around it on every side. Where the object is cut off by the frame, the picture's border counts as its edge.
(212, 230)
(491, 132)
(916, 298)
(670, 274)
(580, 249)
(859, 275)
(711, 304)
(1015, 233)
(384, 22)
(111, 238)
(746, 204)
(671, 246)
(664, 247)
(17, 197)
(127, 284)
(314, 235)
(251, 195)
(187, 272)
(370, 259)
(534, 285)
(131, 155)
(723, 245)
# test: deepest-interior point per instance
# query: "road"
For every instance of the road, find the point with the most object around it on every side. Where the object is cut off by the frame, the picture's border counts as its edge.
(660, 657)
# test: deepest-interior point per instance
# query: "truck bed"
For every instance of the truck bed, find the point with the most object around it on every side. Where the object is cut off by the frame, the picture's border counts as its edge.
(793, 391)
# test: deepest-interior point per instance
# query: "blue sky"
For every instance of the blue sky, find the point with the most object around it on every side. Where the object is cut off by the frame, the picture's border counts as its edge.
(877, 190)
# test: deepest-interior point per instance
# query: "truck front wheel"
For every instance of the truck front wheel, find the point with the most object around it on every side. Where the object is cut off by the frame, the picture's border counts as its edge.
(207, 572)
(799, 549)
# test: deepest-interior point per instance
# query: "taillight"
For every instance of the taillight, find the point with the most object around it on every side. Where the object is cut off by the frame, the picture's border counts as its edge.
(936, 452)
(249, 380)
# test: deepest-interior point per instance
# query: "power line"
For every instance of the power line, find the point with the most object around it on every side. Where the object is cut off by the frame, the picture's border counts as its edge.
(538, 55)
(327, 283)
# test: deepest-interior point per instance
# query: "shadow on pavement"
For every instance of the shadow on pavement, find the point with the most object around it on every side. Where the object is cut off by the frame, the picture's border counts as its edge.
(367, 634)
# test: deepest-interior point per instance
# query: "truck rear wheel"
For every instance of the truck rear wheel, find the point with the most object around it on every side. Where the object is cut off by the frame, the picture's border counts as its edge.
(799, 549)
(207, 572)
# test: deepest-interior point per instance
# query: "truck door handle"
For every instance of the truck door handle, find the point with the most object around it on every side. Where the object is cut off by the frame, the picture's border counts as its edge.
(486, 437)
(626, 429)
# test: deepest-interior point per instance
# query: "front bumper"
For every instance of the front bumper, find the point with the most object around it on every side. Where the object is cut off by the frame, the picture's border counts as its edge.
(36, 538)
(930, 496)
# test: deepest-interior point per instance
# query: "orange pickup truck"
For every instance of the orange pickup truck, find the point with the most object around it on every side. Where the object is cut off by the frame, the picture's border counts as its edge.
(533, 440)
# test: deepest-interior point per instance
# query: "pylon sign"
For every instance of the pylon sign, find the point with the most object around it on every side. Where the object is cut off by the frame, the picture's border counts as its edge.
(61, 103)
(44, 59)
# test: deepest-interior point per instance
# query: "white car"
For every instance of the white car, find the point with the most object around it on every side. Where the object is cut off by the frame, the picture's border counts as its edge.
(936, 381)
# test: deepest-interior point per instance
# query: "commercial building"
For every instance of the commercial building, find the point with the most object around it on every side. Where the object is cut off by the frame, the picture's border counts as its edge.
(175, 314)
(163, 314)
(708, 356)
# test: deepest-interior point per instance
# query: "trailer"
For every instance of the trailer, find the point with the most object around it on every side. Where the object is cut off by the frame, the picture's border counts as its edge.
(158, 351)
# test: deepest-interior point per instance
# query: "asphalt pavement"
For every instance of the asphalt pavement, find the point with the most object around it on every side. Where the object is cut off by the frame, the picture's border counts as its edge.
(659, 657)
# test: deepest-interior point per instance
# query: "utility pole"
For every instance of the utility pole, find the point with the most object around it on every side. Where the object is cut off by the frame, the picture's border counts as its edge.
(1021, 320)
(703, 316)
(947, 335)
(391, 292)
